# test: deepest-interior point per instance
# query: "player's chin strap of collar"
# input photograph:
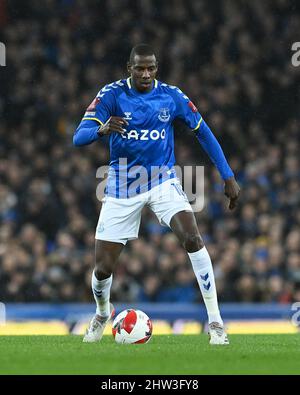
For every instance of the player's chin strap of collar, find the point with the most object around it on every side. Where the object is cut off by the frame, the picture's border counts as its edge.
(130, 86)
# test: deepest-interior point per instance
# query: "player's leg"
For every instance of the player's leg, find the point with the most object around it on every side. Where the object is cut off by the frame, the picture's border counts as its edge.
(106, 257)
(184, 225)
(173, 209)
(119, 221)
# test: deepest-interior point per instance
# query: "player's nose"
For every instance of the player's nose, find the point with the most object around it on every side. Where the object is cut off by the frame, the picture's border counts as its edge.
(146, 74)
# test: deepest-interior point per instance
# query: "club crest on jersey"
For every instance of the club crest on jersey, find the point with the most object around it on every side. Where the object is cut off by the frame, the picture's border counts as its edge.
(164, 114)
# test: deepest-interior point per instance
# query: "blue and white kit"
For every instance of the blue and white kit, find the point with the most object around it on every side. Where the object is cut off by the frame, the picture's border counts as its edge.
(142, 159)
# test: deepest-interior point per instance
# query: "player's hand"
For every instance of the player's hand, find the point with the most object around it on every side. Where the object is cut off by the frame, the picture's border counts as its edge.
(232, 191)
(113, 124)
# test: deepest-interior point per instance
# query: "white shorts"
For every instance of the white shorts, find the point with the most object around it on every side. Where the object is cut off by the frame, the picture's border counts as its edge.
(120, 219)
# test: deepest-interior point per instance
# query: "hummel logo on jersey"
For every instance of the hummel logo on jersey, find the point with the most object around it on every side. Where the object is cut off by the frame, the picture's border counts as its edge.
(128, 116)
(144, 134)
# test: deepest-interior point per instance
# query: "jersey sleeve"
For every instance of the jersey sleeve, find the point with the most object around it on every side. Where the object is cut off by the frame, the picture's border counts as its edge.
(101, 108)
(186, 110)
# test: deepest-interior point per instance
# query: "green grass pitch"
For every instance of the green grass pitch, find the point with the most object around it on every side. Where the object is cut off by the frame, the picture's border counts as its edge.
(176, 354)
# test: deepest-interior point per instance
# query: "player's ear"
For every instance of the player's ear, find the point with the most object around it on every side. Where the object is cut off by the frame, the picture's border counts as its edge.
(129, 67)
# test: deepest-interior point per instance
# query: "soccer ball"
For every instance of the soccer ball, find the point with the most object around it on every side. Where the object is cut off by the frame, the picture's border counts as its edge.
(132, 326)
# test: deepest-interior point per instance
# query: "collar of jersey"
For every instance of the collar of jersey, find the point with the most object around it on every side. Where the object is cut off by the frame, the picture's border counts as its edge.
(143, 94)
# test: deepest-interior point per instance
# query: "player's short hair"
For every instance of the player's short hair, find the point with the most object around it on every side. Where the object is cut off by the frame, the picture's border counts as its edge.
(142, 50)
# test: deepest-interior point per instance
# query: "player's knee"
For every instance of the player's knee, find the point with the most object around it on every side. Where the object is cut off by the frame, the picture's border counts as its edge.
(102, 271)
(103, 267)
(193, 242)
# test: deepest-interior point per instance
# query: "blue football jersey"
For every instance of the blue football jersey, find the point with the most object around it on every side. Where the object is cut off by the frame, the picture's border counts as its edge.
(143, 156)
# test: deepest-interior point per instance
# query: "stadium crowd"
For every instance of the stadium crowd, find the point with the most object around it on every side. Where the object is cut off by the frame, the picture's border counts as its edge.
(233, 59)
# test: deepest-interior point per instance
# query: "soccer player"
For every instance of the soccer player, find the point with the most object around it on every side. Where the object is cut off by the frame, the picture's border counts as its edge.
(137, 114)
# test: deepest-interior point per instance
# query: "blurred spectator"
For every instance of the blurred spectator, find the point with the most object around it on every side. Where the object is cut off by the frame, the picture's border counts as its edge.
(233, 60)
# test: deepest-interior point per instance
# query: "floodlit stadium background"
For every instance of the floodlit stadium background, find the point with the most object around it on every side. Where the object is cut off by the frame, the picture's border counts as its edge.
(233, 59)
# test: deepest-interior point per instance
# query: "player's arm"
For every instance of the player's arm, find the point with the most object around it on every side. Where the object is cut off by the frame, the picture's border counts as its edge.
(188, 112)
(87, 132)
(212, 147)
(98, 121)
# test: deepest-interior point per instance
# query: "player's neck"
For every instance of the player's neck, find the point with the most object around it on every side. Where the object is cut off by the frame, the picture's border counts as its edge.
(142, 92)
